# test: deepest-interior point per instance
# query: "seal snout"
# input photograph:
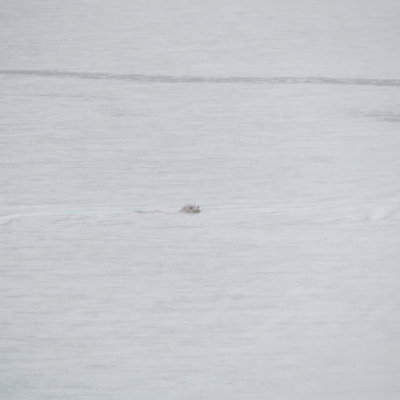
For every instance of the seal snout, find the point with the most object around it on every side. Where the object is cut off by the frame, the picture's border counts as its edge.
(190, 209)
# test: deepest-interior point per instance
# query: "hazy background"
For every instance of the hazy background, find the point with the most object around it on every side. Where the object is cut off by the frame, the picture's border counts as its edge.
(280, 119)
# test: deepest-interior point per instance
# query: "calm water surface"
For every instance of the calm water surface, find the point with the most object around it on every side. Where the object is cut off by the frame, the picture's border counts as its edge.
(281, 120)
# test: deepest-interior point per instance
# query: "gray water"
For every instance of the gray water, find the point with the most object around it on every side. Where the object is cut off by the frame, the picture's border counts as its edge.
(280, 119)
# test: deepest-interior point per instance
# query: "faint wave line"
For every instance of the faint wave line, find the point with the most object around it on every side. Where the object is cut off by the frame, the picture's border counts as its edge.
(204, 79)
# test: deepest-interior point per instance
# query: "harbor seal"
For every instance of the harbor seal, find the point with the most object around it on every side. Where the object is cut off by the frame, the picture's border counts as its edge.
(186, 209)
(190, 209)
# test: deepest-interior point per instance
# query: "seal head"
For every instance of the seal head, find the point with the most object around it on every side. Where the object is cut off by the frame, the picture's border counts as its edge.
(190, 209)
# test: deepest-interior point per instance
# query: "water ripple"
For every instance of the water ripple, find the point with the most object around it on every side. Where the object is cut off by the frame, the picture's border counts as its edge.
(204, 79)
